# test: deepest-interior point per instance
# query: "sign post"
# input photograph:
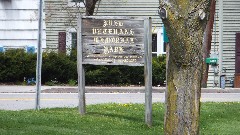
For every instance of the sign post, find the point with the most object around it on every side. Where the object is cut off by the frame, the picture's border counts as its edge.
(115, 41)
(39, 57)
(148, 70)
(81, 72)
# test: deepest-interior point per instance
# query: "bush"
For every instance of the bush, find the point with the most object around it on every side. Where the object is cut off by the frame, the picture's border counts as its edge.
(58, 68)
(125, 75)
(16, 65)
(96, 75)
(159, 70)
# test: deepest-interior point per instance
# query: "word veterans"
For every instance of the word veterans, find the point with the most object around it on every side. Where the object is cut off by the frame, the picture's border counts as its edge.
(125, 32)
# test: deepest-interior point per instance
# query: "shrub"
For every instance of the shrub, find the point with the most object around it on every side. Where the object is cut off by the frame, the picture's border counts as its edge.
(58, 68)
(96, 75)
(124, 75)
(159, 70)
(17, 65)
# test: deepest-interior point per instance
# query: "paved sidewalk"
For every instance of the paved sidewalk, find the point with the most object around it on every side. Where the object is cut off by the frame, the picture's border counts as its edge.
(73, 89)
(22, 89)
(69, 89)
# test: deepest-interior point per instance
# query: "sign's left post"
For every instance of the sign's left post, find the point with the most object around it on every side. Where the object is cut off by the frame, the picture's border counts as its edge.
(80, 68)
(39, 56)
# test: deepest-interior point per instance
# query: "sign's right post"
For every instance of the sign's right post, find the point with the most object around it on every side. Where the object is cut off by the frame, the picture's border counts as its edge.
(148, 70)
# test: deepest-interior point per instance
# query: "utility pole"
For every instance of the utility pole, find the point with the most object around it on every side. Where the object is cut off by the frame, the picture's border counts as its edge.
(220, 40)
(39, 56)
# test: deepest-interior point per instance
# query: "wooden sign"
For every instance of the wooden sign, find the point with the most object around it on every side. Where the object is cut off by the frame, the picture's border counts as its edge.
(113, 41)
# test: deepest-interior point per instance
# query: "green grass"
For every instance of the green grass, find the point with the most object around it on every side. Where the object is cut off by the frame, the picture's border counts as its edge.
(220, 118)
(113, 119)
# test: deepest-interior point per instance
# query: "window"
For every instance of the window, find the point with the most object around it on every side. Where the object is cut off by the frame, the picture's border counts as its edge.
(76, 3)
(74, 40)
(71, 39)
(154, 45)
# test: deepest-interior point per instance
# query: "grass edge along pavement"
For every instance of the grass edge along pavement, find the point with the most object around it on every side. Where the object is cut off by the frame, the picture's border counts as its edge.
(108, 119)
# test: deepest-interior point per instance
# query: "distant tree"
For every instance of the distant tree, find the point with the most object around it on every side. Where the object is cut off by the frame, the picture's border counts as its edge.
(207, 42)
(90, 6)
(71, 11)
(185, 24)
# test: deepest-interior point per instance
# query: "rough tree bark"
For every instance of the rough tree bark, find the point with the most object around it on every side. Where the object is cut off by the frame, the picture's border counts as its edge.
(185, 25)
(90, 6)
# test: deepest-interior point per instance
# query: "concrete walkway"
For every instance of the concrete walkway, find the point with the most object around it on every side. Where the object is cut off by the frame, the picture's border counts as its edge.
(69, 89)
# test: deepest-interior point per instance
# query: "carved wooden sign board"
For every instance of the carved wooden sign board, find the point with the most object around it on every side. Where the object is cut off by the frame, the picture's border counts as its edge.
(113, 41)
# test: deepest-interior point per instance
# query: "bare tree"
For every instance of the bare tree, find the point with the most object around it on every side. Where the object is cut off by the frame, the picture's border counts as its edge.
(90, 6)
(185, 24)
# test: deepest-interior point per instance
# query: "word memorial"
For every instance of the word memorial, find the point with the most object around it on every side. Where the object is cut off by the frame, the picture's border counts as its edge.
(113, 41)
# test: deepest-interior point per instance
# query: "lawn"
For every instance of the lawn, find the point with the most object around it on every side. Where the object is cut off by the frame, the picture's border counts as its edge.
(113, 119)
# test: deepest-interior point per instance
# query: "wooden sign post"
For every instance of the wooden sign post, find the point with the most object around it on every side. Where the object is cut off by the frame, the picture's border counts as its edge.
(115, 41)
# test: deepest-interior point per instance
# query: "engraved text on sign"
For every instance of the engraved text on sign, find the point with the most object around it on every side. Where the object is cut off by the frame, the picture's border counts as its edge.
(113, 41)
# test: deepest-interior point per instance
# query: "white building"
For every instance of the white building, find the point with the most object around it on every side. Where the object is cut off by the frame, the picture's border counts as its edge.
(19, 23)
(18, 26)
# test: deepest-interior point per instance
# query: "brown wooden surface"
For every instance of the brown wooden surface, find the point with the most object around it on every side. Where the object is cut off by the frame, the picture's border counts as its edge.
(113, 41)
(90, 40)
(137, 52)
(100, 49)
(88, 31)
(90, 23)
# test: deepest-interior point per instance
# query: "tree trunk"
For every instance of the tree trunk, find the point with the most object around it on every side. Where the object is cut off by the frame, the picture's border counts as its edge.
(185, 25)
(90, 6)
(207, 42)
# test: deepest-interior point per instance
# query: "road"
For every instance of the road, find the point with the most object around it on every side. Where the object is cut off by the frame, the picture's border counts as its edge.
(22, 101)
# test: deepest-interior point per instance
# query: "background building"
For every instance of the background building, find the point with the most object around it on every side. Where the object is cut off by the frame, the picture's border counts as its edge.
(61, 23)
(61, 19)
(230, 26)
(19, 27)
(19, 23)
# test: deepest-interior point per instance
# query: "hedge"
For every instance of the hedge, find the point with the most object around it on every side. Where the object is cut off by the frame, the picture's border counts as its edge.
(57, 68)
(15, 65)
